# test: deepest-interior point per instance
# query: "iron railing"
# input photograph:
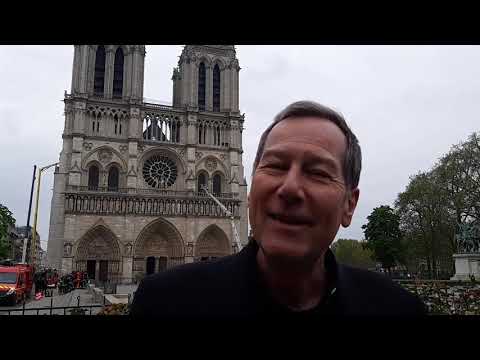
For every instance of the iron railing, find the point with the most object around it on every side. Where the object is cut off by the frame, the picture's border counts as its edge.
(149, 191)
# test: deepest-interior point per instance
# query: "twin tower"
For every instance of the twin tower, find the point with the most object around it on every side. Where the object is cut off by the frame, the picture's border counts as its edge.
(128, 198)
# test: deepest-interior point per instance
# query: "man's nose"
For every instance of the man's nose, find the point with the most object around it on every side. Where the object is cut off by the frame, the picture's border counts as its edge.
(291, 189)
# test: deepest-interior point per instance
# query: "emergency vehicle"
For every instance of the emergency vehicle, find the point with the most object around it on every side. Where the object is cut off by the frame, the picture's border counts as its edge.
(16, 283)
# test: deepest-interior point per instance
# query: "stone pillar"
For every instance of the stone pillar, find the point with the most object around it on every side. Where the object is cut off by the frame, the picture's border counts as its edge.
(127, 269)
(208, 88)
(109, 63)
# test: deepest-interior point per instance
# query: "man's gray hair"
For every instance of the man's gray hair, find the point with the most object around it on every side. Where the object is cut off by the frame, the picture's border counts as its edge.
(352, 163)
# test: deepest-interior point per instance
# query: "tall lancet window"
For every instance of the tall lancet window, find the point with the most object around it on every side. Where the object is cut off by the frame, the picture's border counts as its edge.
(93, 178)
(216, 88)
(113, 179)
(118, 74)
(99, 78)
(201, 182)
(201, 86)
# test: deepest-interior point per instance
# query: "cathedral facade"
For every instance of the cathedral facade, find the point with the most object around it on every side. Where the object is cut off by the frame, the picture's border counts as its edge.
(128, 196)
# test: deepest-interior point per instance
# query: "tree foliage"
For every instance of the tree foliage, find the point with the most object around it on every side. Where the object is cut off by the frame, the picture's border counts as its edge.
(353, 252)
(435, 202)
(383, 236)
(6, 220)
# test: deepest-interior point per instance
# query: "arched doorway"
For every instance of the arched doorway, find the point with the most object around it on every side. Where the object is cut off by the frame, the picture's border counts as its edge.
(98, 254)
(211, 244)
(150, 268)
(158, 247)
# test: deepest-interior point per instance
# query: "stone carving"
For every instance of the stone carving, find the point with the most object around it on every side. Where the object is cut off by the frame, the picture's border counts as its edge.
(189, 249)
(128, 249)
(105, 155)
(87, 146)
(468, 238)
(140, 148)
(223, 157)
(211, 164)
(75, 166)
(190, 175)
(198, 155)
(123, 148)
(67, 249)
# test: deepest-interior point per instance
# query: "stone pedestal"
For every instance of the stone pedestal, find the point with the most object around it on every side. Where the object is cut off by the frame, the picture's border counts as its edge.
(127, 270)
(67, 265)
(466, 265)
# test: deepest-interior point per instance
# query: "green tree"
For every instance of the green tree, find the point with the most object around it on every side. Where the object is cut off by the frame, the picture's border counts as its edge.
(6, 220)
(352, 252)
(383, 237)
(426, 223)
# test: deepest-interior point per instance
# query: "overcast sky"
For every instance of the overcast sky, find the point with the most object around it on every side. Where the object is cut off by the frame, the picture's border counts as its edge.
(407, 105)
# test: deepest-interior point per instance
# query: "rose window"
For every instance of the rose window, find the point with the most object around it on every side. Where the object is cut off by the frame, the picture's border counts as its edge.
(159, 171)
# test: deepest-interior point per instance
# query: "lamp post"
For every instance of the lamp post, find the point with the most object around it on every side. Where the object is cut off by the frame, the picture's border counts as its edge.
(35, 220)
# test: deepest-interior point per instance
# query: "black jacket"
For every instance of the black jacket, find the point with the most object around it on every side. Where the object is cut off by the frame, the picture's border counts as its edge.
(231, 287)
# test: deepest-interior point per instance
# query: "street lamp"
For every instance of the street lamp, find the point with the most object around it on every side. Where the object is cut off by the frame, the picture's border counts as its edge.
(34, 235)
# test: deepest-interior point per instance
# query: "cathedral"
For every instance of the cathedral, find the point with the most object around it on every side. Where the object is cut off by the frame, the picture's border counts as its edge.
(128, 197)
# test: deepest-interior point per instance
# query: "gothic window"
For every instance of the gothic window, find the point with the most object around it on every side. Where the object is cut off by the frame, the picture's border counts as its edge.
(118, 74)
(201, 86)
(216, 88)
(217, 135)
(99, 78)
(201, 182)
(116, 125)
(159, 171)
(93, 178)
(113, 179)
(217, 184)
(96, 123)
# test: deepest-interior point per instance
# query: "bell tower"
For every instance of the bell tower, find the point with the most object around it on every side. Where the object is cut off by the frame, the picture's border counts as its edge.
(207, 78)
(108, 71)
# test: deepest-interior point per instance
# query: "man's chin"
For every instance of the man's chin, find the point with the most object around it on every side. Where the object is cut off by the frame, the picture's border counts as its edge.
(282, 252)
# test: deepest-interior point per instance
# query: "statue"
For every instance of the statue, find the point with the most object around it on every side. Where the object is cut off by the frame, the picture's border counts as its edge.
(67, 249)
(128, 249)
(467, 237)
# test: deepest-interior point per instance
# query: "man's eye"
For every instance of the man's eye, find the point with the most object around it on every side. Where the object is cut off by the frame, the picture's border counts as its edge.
(319, 174)
(276, 166)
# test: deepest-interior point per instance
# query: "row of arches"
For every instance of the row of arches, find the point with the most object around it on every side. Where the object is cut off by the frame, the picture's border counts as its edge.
(203, 180)
(158, 247)
(112, 178)
(99, 77)
(202, 85)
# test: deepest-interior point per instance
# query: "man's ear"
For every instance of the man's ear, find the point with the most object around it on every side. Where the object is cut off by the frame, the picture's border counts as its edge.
(349, 206)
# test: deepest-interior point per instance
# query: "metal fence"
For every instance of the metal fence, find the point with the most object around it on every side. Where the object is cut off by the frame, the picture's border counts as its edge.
(58, 310)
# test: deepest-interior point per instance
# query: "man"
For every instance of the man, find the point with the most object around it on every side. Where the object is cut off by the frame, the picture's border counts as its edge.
(304, 186)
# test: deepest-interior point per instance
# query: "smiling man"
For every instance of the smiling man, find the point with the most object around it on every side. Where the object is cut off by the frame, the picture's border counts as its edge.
(304, 187)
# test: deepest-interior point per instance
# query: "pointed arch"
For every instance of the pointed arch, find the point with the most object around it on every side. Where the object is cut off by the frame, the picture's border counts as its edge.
(202, 180)
(202, 78)
(217, 184)
(161, 241)
(113, 178)
(93, 177)
(99, 247)
(118, 73)
(212, 243)
(216, 88)
(99, 77)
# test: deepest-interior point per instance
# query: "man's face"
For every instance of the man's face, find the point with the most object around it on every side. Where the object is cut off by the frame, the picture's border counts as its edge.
(298, 197)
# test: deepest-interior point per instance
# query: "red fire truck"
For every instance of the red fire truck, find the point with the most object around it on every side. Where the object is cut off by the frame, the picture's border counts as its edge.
(16, 283)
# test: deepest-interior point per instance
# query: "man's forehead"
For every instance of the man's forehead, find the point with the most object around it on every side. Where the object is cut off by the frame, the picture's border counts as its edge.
(309, 130)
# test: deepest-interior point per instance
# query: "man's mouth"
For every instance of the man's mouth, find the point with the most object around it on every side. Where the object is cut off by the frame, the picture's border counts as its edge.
(291, 219)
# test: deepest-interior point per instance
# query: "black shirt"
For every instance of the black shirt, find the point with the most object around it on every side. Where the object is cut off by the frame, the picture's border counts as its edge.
(232, 287)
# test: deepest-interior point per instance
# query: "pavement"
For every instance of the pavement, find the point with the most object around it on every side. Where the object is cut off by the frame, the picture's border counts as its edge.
(76, 297)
